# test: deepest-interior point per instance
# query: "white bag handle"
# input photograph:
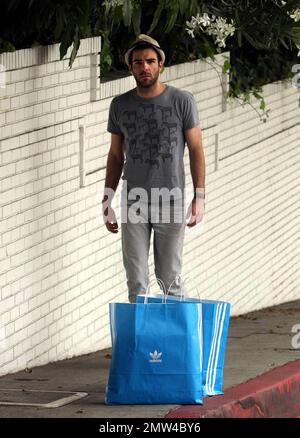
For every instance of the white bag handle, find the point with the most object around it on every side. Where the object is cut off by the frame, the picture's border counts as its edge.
(182, 289)
(182, 294)
(162, 286)
(167, 292)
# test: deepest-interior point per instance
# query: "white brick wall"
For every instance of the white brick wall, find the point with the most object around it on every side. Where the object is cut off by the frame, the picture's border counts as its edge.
(59, 268)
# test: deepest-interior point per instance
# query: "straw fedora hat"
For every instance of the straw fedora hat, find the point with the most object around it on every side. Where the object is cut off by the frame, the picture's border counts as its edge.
(142, 38)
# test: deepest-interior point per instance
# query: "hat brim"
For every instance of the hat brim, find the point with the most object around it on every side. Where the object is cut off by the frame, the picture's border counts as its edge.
(157, 49)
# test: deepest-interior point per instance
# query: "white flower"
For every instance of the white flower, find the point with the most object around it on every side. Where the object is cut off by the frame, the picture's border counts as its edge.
(217, 27)
(190, 24)
(190, 32)
(205, 20)
(220, 42)
(113, 3)
(230, 28)
(296, 15)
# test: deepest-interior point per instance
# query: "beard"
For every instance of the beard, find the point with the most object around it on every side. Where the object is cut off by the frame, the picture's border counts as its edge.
(148, 82)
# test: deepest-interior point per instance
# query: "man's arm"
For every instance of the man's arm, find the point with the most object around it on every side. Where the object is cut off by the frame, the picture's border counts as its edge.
(114, 167)
(193, 139)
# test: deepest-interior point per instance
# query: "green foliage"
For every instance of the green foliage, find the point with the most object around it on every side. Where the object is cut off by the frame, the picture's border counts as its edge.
(262, 49)
(6, 46)
(24, 23)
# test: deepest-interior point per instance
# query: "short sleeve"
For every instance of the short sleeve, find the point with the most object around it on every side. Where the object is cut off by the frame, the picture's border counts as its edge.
(190, 114)
(113, 125)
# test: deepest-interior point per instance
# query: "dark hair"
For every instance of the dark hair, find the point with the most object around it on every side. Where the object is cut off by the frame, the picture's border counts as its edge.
(141, 46)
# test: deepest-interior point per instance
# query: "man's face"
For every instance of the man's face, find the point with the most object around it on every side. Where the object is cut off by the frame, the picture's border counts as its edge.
(145, 67)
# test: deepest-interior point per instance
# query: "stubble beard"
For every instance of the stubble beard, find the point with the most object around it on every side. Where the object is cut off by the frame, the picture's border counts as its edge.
(149, 83)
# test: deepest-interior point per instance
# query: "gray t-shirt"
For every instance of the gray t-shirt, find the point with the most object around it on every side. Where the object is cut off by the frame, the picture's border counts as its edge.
(153, 131)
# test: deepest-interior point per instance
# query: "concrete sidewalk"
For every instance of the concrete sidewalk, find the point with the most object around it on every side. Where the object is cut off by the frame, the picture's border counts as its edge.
(257, 343)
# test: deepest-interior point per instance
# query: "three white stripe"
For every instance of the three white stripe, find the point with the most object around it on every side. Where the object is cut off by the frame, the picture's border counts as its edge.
(215, 349)
(200, 335)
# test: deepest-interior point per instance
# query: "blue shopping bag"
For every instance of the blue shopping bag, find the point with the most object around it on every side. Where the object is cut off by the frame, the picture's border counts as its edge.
(156, 354)
(215, 323)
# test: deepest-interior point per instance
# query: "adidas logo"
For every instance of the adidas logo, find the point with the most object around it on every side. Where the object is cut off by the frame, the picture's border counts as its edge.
(155, 357)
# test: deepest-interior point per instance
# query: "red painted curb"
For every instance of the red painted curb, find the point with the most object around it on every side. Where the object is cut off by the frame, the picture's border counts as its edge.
(274, 394)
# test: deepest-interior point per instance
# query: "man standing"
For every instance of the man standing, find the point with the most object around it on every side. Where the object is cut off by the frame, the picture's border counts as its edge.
(149, 127)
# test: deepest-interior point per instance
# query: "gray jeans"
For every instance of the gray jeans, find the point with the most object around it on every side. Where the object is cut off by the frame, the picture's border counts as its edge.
(167, 248)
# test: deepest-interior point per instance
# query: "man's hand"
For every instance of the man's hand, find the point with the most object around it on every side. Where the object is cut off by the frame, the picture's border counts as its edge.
(109, 217)
(114, 169)
(195, 212)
